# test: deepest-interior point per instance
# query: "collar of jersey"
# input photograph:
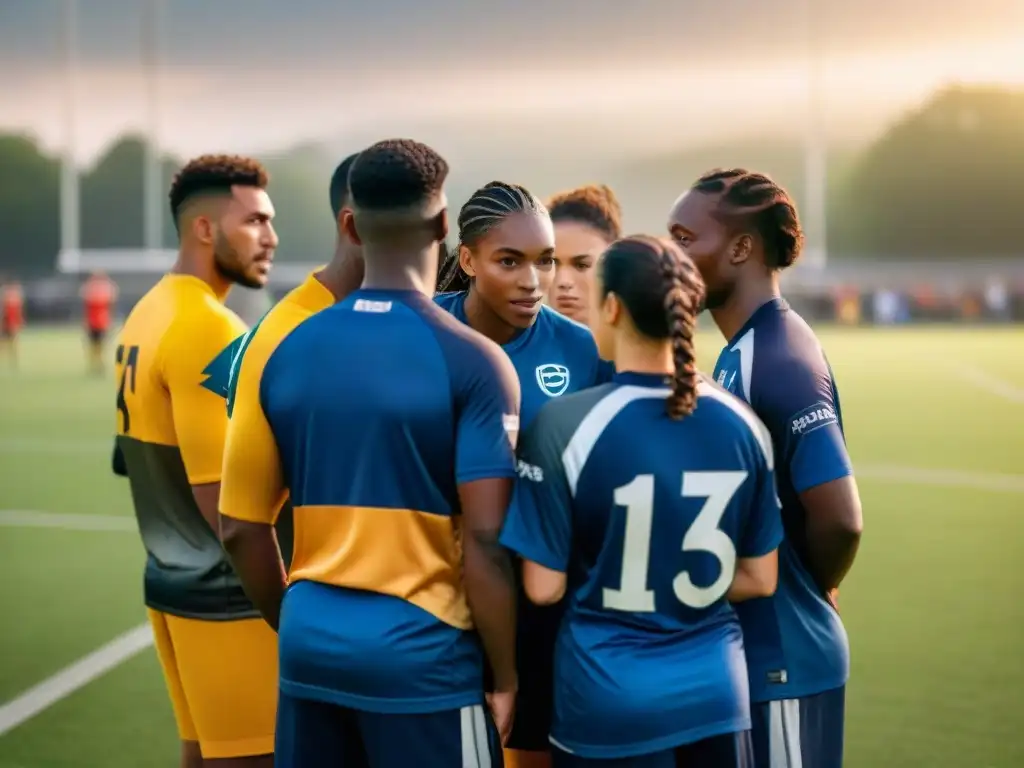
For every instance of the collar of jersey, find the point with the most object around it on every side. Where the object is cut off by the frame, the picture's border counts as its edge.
(776, 304)
(658, 380)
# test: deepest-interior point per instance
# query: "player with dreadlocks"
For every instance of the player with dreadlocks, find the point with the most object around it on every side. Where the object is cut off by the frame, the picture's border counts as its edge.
(505, 265)
(741, 229)
(587, 220)
(657, 492)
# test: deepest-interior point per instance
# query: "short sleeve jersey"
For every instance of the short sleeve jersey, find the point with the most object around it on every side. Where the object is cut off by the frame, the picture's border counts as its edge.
(379, 408)
(647, 517)
(796, 643)
(553, 357)
(170, 431)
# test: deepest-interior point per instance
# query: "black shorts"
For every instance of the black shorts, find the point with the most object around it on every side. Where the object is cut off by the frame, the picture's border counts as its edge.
(313, 734)
(535, 654)
(96, 335)
(730, 750)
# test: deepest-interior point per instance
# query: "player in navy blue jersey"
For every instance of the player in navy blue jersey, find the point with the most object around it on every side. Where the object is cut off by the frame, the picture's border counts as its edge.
(400, 487)
(741, 230)
(650, 502)
(505, 265)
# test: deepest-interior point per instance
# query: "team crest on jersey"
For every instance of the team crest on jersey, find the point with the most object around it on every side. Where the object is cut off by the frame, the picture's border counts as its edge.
(553, 379)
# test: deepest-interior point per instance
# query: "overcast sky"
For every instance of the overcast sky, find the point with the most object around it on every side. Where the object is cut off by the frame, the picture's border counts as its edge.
(259, 74)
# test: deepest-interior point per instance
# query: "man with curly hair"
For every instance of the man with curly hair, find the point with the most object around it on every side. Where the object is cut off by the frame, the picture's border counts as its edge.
(219, 657)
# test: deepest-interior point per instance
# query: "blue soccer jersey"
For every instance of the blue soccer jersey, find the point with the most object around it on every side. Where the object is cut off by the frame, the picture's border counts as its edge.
(380, 407)
(553, 357)
(796, 643)
(647, 516)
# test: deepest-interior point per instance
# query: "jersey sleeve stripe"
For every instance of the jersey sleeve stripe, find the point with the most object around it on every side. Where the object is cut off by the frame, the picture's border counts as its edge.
(741, 409)
(576, 453)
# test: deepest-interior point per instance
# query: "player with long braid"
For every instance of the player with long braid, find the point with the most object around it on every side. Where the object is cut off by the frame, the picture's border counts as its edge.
(742, 229)
(587, 220)
(657, 492)
(504, 265)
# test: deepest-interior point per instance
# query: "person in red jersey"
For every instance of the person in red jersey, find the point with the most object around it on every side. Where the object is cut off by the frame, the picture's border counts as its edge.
(99, 293)
(12, 305)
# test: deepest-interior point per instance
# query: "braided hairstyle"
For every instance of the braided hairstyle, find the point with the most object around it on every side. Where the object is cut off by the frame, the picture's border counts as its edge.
(485, 209)
(754, 201)
(662, 291)
(594, 205)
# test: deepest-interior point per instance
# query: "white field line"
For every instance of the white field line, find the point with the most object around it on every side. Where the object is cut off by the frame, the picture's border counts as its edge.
(942, 478)
(75, 676)
(27, 518)
(992, 384)
(54, 445)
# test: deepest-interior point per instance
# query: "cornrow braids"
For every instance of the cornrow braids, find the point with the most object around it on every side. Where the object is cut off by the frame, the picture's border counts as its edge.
(753, 200)
(663, 293)
(595, 205)
(485, 209)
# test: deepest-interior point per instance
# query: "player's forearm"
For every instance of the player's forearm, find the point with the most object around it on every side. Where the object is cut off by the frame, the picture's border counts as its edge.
(831, 551)
(755, 577)
(256, 558)
(491, 592)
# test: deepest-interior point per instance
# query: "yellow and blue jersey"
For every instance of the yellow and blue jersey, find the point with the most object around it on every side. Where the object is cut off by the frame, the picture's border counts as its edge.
(370, 414)
(647, 517)
(252, 487)
(796, 643)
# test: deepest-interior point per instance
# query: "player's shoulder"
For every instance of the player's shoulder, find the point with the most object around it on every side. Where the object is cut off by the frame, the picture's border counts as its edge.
(566, 330)
(448, 299)
(727, 416)
(562, 416)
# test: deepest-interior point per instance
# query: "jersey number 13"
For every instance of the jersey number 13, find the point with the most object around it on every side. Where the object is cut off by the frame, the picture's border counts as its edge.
(704, 535)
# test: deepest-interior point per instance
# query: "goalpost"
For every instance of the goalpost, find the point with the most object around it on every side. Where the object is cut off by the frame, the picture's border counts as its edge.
(152, 256)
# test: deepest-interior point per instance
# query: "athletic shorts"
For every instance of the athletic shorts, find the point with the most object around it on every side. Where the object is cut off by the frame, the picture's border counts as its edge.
(96, 335)
(536, 632)
(730, 750)
(800, 732)
(222, 679)
(314, 734)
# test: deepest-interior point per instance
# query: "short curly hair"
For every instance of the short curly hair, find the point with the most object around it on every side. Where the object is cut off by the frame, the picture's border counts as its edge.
(215, 174)
(594, 204)
(396, 173)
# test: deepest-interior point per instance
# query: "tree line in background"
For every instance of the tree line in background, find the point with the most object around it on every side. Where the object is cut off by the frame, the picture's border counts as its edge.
(945, 180)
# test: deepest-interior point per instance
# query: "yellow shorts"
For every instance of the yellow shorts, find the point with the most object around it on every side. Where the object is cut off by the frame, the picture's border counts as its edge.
(222, 678)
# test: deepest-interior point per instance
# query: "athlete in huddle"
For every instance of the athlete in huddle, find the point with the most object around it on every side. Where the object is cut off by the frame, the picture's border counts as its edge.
(505, 258)
(400, 487)
(741, 229)
(241, 473)
(218, 656)
(587, 220)
(319, 290)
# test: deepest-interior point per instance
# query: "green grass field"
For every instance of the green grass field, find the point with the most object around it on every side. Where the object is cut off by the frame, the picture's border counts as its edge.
(934, 606)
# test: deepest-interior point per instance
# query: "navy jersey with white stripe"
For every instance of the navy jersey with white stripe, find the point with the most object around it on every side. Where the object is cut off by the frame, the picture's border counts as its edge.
(553, 357)
(796, 643)
(647, 516)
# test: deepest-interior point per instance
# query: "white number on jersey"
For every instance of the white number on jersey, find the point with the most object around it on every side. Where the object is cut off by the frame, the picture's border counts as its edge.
(704, 535)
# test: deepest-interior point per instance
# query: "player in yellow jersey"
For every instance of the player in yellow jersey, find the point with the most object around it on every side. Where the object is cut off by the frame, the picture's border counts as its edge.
(241, 477)
(219, 658)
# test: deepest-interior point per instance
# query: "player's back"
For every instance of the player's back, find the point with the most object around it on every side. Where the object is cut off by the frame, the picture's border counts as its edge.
(650, 655)
(796, 642)
(363, 401)
(159, 373)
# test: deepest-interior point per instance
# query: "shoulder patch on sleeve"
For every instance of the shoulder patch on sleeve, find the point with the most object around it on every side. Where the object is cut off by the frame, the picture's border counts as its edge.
(217, 372)
(819, 415)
